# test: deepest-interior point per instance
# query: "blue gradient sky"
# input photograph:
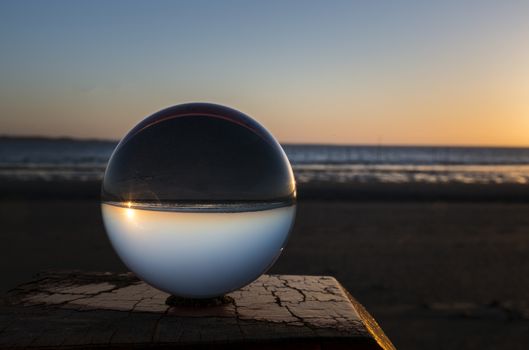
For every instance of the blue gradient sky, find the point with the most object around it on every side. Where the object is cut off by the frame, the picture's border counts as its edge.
(391, 72)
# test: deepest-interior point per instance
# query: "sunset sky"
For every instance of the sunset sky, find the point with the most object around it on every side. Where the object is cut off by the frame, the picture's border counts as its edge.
(347, 72)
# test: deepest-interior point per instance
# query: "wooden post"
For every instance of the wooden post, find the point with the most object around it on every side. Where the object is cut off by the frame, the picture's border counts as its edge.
(86, 310)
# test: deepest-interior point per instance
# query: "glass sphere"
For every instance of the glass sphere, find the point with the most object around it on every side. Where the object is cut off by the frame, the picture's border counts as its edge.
(198, 200)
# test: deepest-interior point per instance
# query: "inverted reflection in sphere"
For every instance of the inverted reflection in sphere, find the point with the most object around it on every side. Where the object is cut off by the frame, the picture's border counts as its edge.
(198, 200)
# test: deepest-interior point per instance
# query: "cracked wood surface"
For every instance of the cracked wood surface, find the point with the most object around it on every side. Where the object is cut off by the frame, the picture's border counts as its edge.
(84, 310)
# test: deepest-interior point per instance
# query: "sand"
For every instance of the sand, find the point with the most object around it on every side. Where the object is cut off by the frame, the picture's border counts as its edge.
(435, 274)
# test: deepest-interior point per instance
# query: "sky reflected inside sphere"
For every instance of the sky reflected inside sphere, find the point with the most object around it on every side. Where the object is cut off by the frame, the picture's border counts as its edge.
(194, 254)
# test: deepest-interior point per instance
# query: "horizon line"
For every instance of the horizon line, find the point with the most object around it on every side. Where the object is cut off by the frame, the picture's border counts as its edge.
(331, 144)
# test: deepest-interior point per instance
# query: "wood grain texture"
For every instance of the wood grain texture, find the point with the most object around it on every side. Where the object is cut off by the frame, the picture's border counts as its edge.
(86, 310)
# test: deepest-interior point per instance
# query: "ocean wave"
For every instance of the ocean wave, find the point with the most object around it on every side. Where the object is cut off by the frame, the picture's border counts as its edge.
(52, 160)
(388, 173)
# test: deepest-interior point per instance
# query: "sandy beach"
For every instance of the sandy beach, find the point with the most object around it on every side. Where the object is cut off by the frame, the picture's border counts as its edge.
(442, 273)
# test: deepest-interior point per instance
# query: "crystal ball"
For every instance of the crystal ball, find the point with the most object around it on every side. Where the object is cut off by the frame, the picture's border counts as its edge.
(198, 200)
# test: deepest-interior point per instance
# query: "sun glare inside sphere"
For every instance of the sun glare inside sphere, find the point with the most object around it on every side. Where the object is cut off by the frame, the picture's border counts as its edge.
(198, 200)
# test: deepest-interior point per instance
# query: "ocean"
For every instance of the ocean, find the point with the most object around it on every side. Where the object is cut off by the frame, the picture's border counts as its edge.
(85, 160)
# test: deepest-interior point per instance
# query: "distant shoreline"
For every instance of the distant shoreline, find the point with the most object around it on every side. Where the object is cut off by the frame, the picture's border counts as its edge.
(37, 138)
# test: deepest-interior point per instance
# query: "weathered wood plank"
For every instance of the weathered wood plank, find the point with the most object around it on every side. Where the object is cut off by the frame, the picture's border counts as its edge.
(83, 310)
